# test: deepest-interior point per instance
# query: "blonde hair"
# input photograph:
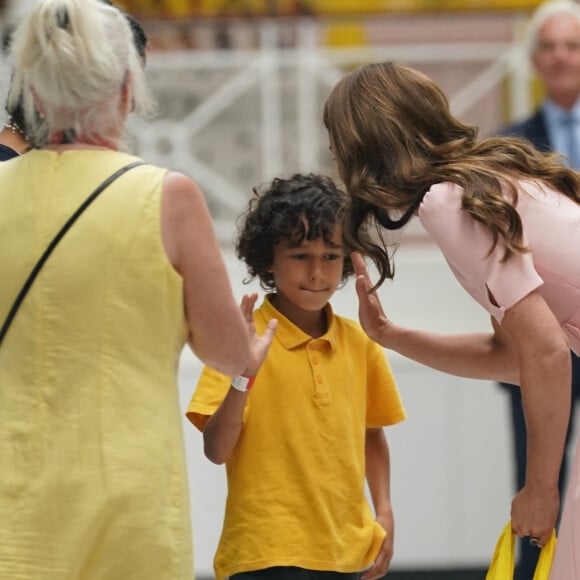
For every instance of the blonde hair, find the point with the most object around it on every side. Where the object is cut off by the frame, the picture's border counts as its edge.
(394, 137)
(73, 57)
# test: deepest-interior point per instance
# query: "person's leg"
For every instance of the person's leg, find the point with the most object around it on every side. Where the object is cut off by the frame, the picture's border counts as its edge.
(570, 444)
(567, 558)
(566, 564)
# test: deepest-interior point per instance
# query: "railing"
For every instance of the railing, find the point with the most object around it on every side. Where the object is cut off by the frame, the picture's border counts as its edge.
(275, 95)
(234, 119)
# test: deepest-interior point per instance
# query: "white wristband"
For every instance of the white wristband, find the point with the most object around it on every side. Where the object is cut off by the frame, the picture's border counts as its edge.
(242, 383)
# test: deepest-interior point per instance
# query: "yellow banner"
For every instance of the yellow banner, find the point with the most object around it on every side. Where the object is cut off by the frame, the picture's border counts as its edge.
(369, 6)
(209, 8)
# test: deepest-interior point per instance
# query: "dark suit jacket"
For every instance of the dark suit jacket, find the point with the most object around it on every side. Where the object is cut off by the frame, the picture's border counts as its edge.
(533, 128)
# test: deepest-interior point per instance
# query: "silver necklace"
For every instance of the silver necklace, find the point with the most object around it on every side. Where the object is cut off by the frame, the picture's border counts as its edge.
(10, 124)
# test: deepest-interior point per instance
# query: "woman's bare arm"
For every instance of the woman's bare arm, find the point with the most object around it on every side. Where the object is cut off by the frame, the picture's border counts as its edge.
(530, 349)
(218, 332)
(490, 356)
(545, 378)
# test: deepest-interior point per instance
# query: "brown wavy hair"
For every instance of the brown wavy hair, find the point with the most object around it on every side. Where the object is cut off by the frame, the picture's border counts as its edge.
(393, 136)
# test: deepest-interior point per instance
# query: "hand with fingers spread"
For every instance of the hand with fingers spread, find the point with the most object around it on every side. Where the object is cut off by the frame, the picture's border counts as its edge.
(259, 344)
(223, 429)
(370, 311)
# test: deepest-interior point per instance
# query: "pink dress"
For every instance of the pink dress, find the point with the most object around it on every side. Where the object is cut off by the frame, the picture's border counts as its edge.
(551, 224)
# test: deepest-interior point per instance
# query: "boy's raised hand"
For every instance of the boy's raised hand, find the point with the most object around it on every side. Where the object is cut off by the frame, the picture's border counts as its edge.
(259, 345)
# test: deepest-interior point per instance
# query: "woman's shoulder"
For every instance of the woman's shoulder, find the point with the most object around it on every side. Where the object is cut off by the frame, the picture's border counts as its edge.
(441, 195)
(441, 200)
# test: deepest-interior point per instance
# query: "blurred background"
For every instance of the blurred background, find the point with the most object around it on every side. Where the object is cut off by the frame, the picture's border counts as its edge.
(241, 83)
(241, 86)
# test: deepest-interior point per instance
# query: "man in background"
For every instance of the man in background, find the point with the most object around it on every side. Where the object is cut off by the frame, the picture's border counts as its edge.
(554, 50)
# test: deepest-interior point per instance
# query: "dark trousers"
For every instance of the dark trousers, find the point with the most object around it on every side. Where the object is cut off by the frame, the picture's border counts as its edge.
(292, 573)
(528, 553)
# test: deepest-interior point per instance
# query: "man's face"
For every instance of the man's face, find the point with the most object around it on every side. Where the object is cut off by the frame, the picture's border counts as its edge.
(557, 58)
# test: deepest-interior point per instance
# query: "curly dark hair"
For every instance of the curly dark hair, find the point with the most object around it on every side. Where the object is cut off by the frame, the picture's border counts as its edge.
(303, 207)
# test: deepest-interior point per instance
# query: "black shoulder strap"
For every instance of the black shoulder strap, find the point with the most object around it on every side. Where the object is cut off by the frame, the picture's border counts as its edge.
(38, 266)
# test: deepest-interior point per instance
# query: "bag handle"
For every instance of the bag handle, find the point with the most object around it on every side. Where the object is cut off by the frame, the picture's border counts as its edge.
(502, 563)
(42, 260)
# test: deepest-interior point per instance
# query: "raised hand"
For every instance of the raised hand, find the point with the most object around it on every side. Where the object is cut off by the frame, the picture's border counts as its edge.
(370, 311)
(259, 345)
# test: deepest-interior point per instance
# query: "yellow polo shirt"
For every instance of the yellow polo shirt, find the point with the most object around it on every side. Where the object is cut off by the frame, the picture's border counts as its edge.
(296, 480)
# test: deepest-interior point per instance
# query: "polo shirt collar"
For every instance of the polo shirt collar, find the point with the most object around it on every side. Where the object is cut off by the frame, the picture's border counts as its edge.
(289, 335)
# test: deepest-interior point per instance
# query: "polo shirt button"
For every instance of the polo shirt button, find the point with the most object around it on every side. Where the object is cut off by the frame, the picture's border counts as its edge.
(315, 361)
(319, 379)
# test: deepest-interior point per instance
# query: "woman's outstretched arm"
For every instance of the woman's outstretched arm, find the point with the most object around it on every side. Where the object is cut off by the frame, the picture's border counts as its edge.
(488, 356)
(529, 349)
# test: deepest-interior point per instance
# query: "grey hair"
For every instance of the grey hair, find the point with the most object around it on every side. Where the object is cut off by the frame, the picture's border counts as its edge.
(543, 13)
(71, 60)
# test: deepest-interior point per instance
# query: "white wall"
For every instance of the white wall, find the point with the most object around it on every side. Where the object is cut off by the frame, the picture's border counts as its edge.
(451, 459)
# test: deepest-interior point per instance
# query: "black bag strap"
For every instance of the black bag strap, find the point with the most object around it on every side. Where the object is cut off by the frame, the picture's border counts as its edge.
(42, 260)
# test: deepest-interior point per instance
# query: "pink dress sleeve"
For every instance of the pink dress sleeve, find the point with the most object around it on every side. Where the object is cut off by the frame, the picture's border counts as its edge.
(465, 244)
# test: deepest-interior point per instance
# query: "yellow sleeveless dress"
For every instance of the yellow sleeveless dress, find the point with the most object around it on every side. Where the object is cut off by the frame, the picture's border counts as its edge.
(92, 474)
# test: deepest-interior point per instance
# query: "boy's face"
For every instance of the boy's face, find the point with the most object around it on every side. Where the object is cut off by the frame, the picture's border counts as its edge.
(307, 275)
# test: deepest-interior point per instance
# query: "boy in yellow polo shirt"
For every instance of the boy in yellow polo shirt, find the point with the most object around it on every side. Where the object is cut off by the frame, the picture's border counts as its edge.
(299, 445)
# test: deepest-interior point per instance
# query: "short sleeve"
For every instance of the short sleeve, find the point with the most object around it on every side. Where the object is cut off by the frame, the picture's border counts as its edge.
(465, 244)
(384, 406)
(211, 390)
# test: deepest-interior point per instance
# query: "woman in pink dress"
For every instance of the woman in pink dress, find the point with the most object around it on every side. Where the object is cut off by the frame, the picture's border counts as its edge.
(507, 220)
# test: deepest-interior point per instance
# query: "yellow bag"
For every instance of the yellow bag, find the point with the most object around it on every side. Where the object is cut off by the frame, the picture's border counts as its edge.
(502, 563)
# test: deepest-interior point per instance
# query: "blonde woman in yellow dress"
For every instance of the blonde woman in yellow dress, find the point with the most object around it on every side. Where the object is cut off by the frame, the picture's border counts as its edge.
(93, 479)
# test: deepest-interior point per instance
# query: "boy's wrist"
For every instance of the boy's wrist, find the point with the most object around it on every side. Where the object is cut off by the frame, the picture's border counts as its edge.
(243, 383)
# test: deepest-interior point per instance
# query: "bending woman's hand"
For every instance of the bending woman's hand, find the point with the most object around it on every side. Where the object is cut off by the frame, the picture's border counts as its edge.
(370, 311)
(259, 344)
(535, 511)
